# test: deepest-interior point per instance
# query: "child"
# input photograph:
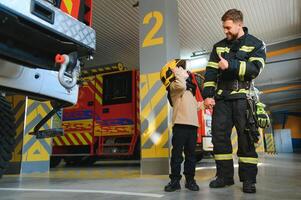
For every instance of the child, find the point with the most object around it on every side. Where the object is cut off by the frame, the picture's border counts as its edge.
(181, 95)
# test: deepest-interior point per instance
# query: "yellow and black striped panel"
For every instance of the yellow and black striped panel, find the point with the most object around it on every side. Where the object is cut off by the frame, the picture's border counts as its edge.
(270, 144)
(73, 139)
(99, 88)
(18, 103)
(33, 149)
(154, 117)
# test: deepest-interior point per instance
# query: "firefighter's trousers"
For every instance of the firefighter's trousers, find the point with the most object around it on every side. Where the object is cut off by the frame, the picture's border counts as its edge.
(226, 114)
(183, 139)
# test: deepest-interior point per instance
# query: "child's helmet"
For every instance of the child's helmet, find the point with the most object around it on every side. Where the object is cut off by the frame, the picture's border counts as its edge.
(166, 74)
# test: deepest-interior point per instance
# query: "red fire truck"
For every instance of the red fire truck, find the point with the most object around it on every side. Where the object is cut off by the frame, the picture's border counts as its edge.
(104, 123)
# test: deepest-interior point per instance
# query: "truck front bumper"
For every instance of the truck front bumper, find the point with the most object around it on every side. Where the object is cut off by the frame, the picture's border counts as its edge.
(32, 32)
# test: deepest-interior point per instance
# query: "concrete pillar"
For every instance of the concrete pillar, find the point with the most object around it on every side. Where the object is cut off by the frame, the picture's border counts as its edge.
(30, 155)
(158, 44)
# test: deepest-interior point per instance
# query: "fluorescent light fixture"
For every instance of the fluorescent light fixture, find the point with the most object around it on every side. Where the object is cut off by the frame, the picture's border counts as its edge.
(198, 53)
(197, 63)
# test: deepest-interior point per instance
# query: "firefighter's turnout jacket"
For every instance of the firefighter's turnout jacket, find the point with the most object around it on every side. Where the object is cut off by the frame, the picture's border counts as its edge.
(246, 58)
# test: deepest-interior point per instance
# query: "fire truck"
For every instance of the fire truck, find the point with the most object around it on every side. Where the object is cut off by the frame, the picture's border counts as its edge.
(105, 121)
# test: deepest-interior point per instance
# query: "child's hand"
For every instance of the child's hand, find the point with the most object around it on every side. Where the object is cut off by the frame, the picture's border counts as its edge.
(180, 73)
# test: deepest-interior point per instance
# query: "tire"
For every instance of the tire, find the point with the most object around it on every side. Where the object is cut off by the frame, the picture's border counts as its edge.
(7, 134)
(55, 161)
(80, 160)
(88, 161)
(72, 161)
(137, 151)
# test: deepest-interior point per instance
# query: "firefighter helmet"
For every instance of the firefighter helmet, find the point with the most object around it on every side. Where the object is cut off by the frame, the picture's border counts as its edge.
(166, 75)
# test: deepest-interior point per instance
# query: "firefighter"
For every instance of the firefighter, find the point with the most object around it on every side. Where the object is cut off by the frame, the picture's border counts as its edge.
(181, 95)
(234, 62)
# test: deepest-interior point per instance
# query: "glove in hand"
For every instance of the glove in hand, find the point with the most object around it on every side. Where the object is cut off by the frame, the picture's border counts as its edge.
(263, 119)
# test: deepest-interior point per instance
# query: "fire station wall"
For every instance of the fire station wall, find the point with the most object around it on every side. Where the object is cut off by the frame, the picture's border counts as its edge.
(294, 124)
(281, 86)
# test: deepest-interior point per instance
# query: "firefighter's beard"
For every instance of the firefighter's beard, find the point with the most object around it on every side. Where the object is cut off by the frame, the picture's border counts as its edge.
(232, 36)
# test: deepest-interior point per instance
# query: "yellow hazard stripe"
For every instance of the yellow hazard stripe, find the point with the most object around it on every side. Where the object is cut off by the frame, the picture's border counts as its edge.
(151, 129)
(66, 142)
(88, 135)
(210, 84)
(69, 5)
(57, 141)
(219, 92)
(213, 65)
(251, 59)
(248, 160)
(242, 70)
(220, 50)
(98, 87)
(74, 142)
(223, 156)
(80, 137)
(98, 98)
(241, 91)
(247, 48)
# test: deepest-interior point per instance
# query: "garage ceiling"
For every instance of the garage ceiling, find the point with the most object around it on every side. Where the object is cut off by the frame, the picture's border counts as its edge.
(117, 25)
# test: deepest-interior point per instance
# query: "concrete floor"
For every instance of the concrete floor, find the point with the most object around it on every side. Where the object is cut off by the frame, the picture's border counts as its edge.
(279, 178)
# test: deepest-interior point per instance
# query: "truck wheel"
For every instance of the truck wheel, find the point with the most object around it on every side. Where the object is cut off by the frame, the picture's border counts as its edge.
(137, 151)
(7, 133)
(88, 160)
(72, 160)
(55, 161)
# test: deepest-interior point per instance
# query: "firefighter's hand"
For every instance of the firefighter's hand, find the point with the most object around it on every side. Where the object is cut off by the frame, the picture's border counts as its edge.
(209, 103)
(201, 105)
(263, 119)
(223, 64)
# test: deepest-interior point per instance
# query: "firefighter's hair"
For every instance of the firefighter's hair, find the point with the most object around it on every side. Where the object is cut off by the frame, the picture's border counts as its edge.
(234, 15)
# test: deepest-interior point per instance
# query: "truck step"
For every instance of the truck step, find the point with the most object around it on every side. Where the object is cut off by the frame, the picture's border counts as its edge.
(41, 134)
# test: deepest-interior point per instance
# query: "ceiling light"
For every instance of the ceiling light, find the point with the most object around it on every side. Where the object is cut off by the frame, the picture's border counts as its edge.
(197, 63)
(199, 53)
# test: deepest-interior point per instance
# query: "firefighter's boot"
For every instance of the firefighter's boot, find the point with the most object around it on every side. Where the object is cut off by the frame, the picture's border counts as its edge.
(248, 187)
(172, 186)
(220, 183)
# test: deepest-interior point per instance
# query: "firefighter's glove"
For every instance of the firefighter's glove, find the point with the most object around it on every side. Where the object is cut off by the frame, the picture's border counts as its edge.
(262, 117)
